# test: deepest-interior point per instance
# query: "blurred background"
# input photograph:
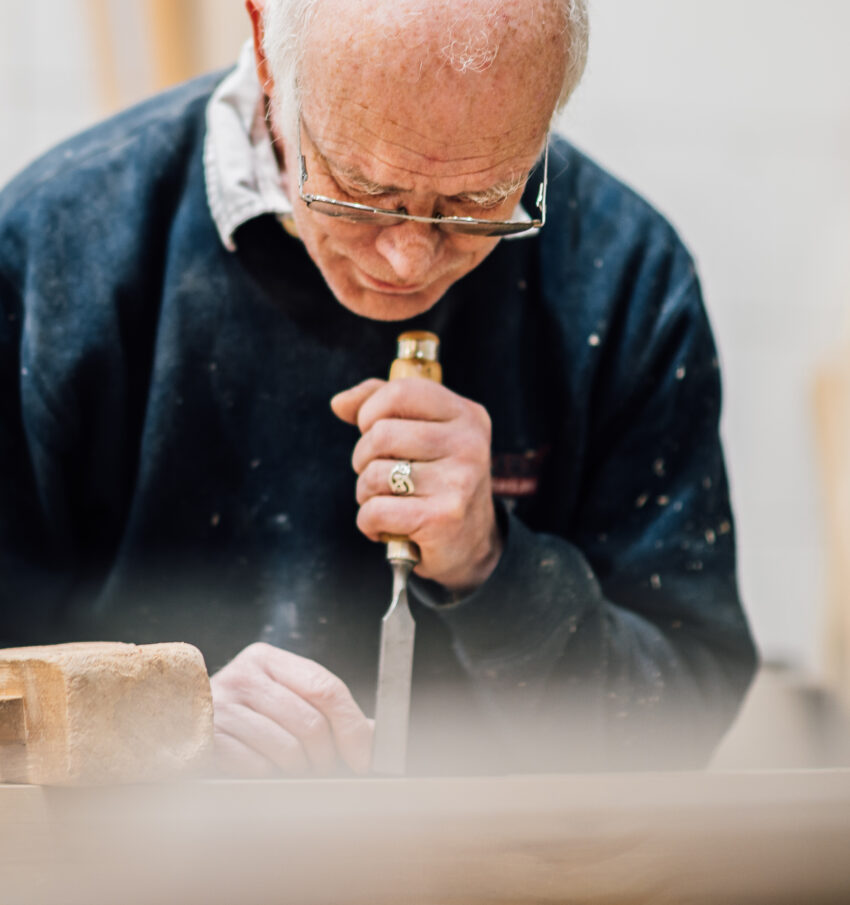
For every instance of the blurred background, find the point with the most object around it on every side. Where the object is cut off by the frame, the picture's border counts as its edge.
(733, 118)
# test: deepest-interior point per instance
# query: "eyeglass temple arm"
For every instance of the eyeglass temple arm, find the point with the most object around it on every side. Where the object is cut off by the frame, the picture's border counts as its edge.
(302, 163)
(541, 191)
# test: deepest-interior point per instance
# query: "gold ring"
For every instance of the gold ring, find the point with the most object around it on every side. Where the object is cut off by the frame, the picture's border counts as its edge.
(401, 479)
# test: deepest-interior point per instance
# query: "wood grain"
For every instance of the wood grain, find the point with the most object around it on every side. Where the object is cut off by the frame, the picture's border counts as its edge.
(654, 838)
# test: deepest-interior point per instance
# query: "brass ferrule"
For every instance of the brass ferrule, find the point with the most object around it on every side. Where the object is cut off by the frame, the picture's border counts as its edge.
(419, 345)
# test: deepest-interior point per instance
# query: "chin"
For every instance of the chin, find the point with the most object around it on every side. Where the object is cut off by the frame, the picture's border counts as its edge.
(383, 306)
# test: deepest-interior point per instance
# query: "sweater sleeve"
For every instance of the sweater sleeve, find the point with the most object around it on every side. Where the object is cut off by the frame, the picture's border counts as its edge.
(33, 550)
(622, 643)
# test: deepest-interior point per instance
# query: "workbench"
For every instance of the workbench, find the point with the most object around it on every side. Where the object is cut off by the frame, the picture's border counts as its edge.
(778, 837)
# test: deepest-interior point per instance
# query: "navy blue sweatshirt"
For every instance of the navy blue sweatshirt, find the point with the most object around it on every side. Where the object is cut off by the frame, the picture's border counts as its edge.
(171, 469)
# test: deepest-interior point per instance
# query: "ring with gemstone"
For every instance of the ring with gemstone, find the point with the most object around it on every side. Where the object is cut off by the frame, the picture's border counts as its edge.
(401, 479)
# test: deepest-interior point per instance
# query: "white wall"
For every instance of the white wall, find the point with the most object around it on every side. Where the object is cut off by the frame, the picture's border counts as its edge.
(47, 77)
(50, 69)
(734, 118)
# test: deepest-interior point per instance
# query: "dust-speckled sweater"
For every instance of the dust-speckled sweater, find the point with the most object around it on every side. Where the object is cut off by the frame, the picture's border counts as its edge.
(171, 469)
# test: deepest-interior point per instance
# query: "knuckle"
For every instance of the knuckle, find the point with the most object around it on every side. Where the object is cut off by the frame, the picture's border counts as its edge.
(381, 433)
(257, 652)
(478, 450)
(314, 728)
(397, 391)
(483, 414)
(364, 518)
(453, 507)
(374, 476)
(466, 483)
(233, 681)
(361, 491)
(482, 419)
(323, 687)
(239, 686)
(372, 405)
(363, 418)
(360, 456)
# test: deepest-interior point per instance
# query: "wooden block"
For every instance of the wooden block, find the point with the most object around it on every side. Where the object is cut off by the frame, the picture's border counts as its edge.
(13, 729)
(98, 712)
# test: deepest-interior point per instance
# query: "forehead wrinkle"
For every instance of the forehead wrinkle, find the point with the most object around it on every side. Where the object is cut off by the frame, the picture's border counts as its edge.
(362, 128)
(497, 191)
(505, 186)
(355, 175)
(410, 169)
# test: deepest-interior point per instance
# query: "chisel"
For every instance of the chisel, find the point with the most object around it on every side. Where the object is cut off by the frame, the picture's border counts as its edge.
(417, 357)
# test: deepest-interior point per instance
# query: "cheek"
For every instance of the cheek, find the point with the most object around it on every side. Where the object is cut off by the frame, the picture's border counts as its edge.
(470, 252)
(323, 244)
(335, 237)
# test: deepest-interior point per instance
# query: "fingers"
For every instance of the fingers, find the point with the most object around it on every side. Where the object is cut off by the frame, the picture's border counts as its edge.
(447, 438)
(411, 399)
(235, 758)
(290, 713)
(330, 696)
(347, 404)
(401, 516)
(429, 479)
(423, 520)
(266, 740)
(295, 724)
(393, 438)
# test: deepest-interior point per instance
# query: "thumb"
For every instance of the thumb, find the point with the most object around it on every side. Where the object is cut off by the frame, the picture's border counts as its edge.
(346, 405)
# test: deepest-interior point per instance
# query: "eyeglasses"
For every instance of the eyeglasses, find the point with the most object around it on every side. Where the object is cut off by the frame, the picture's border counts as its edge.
(378, 216)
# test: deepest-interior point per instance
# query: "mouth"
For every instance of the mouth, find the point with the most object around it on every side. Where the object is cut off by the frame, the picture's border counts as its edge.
(390, 288)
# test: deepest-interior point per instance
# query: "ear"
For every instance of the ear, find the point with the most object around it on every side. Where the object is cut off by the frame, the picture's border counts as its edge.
(255, 11)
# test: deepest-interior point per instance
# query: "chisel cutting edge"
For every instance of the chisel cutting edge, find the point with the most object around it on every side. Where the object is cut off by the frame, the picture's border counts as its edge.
(417, 357)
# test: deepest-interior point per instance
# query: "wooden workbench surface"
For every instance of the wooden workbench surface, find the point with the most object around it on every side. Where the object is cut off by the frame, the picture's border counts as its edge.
(639, 838)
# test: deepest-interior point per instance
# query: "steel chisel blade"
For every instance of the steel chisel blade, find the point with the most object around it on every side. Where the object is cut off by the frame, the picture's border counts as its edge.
(395, 671)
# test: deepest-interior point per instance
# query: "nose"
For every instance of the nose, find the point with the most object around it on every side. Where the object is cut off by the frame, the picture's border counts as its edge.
(410, 249)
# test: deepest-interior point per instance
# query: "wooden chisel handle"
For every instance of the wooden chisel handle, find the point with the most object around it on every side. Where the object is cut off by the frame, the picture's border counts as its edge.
(417, 356)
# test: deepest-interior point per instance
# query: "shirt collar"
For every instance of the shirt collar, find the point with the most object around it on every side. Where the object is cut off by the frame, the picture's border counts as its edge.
(243, 179)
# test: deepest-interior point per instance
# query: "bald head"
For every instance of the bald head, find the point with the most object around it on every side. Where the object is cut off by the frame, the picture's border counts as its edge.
(511, 40)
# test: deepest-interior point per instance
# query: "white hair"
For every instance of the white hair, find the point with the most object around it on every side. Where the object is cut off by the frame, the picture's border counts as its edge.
(286, 22)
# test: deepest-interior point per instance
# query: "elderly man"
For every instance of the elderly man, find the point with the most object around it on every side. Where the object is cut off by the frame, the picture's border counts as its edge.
(185, 289)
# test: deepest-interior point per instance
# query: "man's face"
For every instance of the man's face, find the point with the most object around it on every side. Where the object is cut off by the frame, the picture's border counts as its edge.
(382, 128)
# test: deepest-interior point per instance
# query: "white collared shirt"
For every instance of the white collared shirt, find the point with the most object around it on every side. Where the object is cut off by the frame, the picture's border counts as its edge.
(242, 175)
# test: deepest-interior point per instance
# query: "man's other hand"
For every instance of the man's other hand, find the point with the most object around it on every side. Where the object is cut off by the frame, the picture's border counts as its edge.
(276, 712)
(446, 437)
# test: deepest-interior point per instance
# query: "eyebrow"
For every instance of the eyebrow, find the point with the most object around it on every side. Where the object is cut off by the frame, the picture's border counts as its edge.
(501, 191)
(363, 184)
(494, 194)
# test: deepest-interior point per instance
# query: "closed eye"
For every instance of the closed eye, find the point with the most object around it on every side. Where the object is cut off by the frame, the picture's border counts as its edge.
(494, 196)
(354, 185)
(485, 203)
(371, 190)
